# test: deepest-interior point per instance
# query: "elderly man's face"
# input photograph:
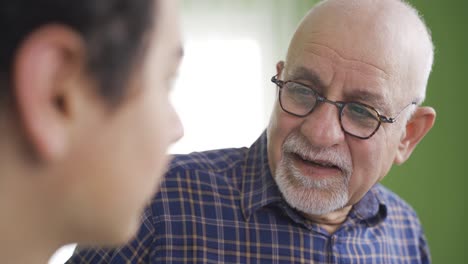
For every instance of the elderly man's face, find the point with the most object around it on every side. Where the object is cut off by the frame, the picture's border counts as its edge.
(316, 165)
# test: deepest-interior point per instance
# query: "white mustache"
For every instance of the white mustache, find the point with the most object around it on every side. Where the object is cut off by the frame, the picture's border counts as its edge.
(297, 144)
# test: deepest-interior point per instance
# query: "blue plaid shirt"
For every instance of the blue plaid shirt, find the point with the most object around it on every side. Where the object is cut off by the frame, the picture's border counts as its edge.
(223, 206)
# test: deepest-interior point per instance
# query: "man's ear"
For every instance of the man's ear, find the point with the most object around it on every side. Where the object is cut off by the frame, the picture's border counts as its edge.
(416, 128)
(279, 68)
(45, 66)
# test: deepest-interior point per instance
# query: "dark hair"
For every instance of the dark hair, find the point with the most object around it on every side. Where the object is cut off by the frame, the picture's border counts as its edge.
(112, 29)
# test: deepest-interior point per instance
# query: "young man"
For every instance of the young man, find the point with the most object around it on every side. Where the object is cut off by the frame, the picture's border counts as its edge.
(85, 120)
(349, 96)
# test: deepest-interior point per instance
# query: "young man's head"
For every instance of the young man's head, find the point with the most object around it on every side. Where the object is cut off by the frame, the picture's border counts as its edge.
(348, 108)
(84, 113)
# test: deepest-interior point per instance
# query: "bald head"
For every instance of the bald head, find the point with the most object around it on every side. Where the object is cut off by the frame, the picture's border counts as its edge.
(386, 35)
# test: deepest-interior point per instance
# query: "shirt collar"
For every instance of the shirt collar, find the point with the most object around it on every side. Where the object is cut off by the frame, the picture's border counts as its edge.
(371, 208)
(258, 186)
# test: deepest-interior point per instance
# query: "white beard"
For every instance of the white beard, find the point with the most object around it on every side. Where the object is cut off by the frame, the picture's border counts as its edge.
(316, 197)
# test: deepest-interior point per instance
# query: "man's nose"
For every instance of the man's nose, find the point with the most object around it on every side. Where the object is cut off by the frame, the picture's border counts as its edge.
(322, 127)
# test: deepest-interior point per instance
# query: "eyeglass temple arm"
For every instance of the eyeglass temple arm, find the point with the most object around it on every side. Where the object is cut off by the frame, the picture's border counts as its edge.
(392, 120)
(275, 80)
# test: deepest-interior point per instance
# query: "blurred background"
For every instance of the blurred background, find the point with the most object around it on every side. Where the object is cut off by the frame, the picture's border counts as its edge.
(224, 97)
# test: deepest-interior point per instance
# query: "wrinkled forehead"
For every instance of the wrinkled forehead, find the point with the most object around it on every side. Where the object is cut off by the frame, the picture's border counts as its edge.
(311, 51)
(377, 42)
(347, 45)
(340, 78)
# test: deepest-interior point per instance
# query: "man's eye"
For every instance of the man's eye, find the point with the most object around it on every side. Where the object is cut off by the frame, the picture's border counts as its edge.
(360, 111)
(299, 90)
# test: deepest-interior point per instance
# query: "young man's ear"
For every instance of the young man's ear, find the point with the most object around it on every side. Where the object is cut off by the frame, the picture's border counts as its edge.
(416, 128)
(45, 66)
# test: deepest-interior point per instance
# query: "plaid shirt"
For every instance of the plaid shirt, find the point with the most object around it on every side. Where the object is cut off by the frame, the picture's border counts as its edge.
(223, 206)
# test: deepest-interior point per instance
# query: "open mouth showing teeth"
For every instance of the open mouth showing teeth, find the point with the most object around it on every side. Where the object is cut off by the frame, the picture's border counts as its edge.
(316, 163)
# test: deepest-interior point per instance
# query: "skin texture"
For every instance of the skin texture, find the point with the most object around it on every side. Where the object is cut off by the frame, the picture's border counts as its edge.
(74, 168)
(374, 52)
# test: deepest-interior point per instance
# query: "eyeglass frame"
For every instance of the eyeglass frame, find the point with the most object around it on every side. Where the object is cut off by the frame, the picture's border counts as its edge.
(339, 104)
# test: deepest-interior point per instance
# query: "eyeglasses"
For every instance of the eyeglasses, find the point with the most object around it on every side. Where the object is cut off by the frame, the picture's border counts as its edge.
(356, 119)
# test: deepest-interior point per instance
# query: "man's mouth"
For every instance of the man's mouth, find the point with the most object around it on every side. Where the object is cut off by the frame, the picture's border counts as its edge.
(316, 162)
(315, 166)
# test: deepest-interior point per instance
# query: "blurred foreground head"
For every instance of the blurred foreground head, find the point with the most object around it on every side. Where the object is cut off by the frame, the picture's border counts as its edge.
(85, 117)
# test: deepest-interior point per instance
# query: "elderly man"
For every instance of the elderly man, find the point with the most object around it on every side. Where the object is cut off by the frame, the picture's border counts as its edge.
(307, 191)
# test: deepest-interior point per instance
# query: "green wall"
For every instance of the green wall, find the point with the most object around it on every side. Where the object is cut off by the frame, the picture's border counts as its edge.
(435, 178)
